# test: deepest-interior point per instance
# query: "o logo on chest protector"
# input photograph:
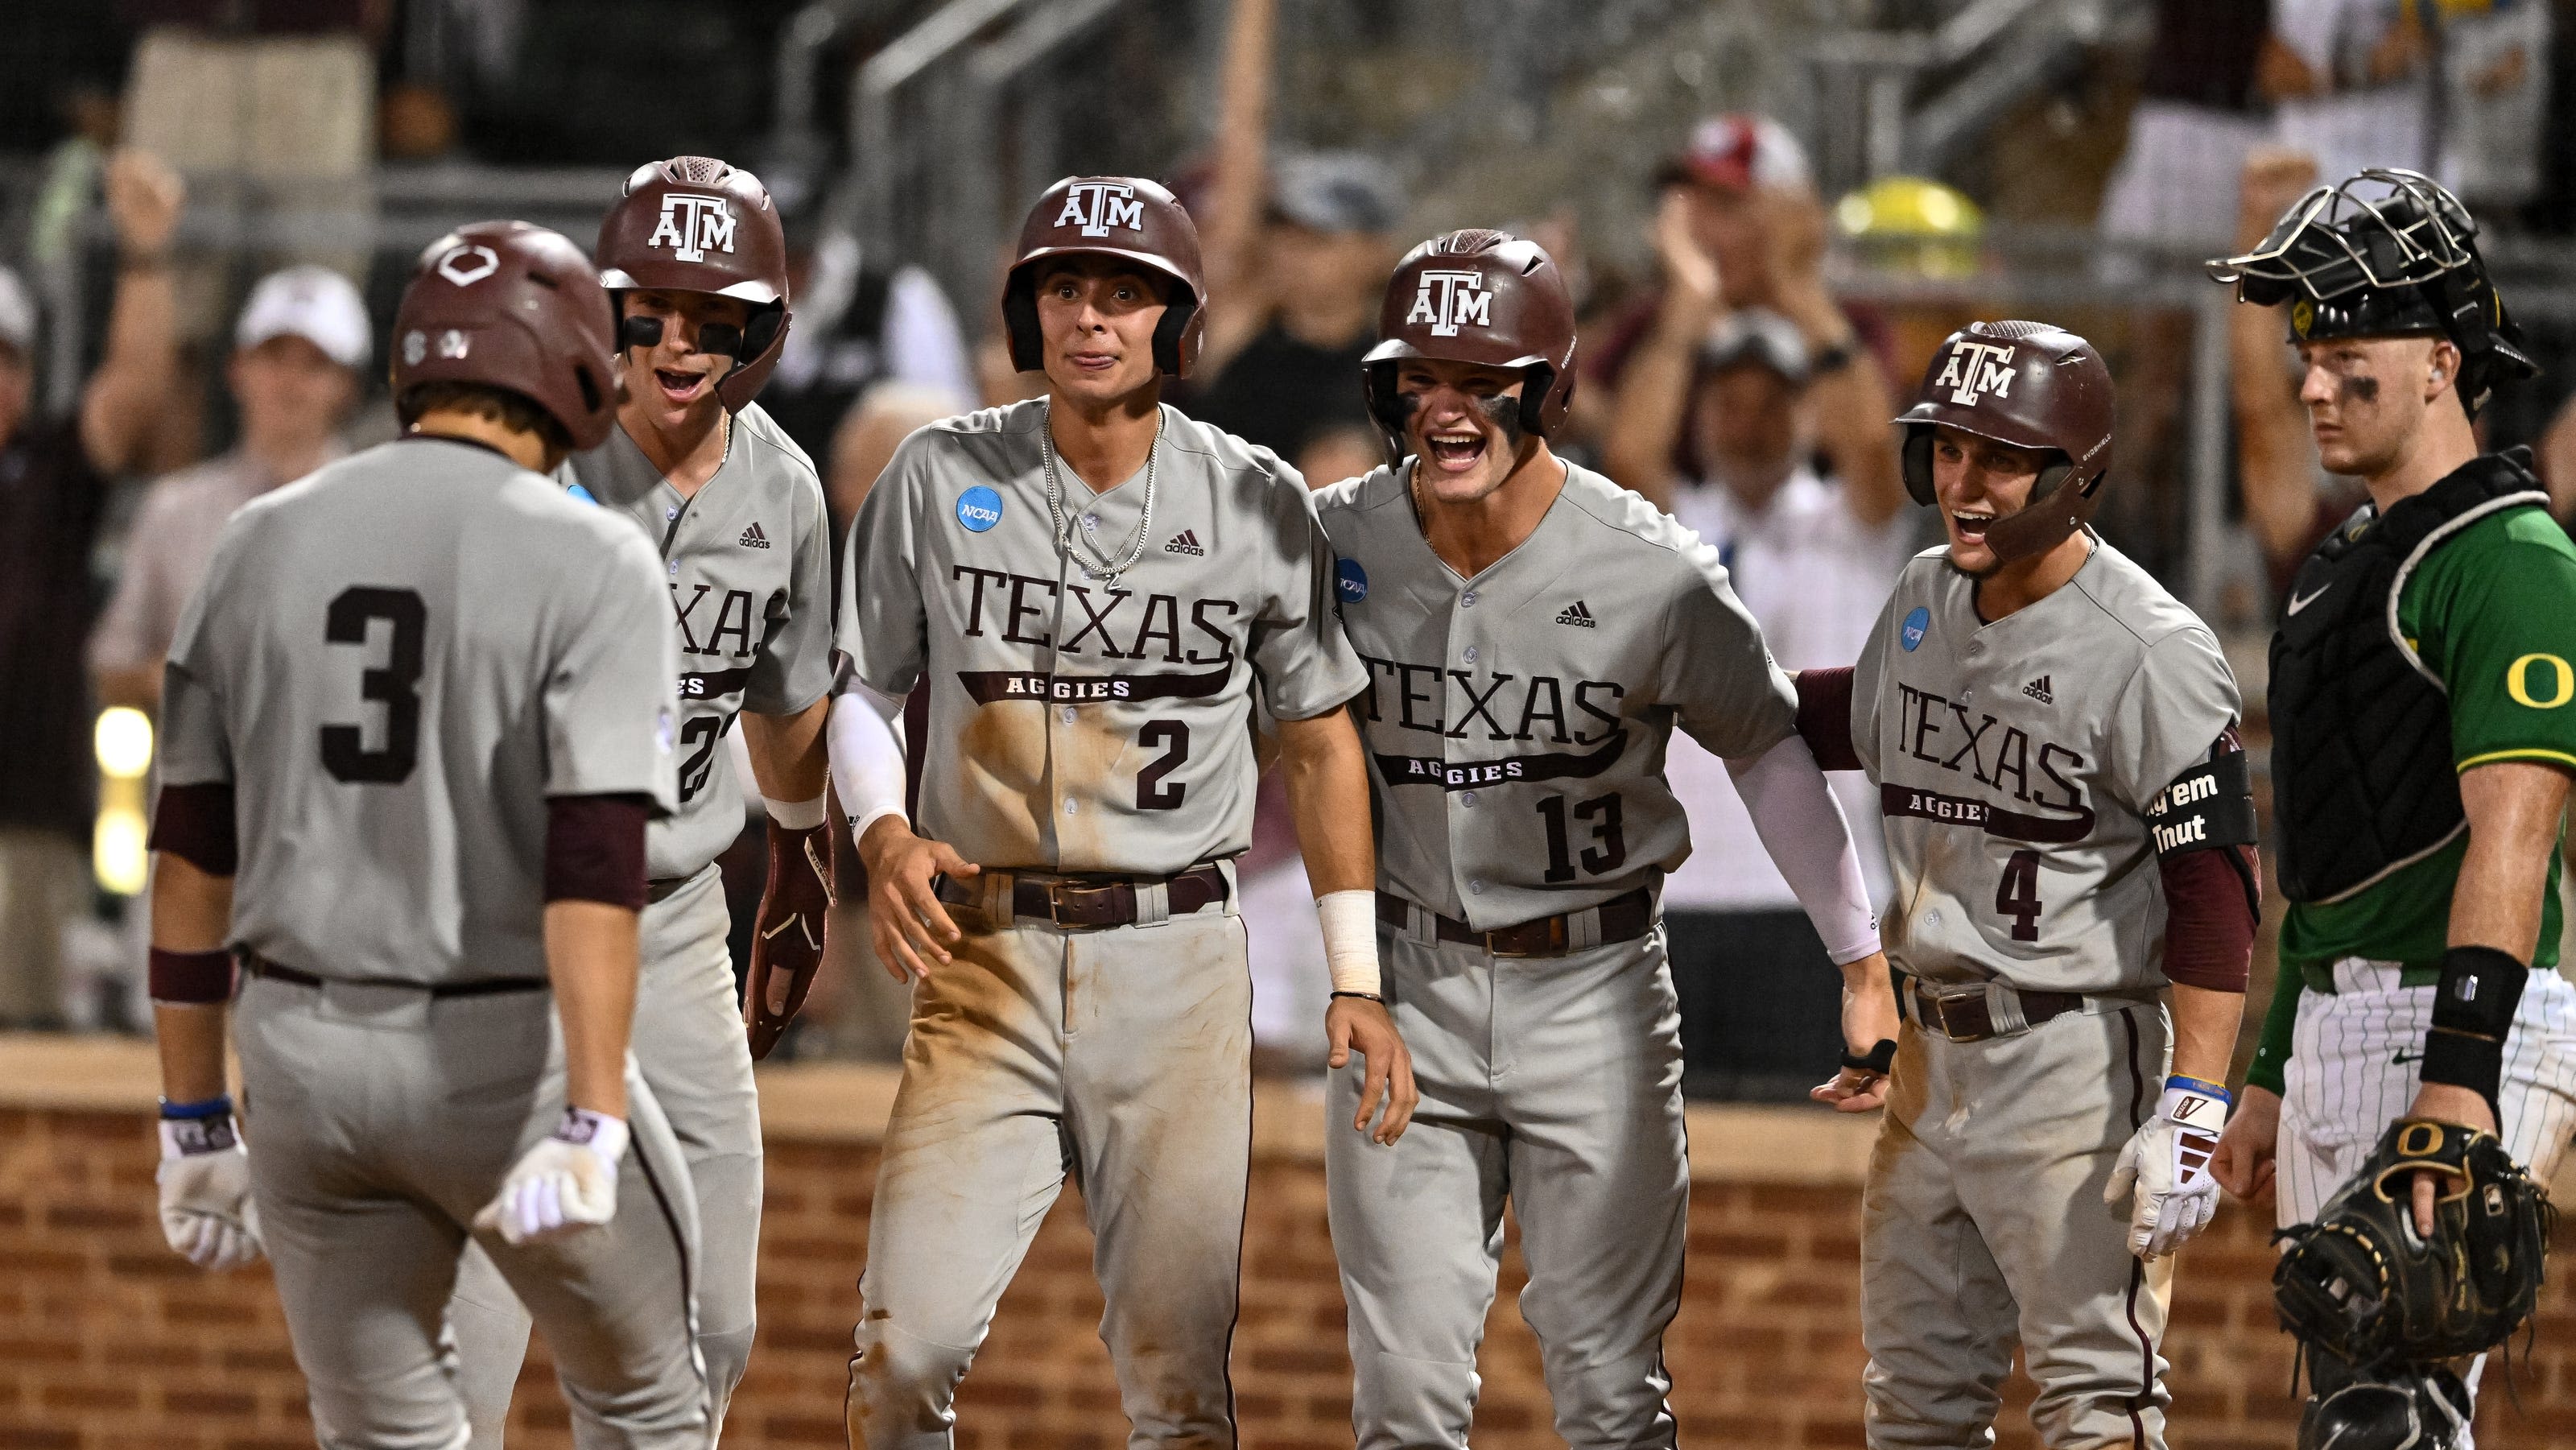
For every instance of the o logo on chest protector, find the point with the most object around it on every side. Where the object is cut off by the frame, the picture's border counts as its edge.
(2562, 682)
(979, 508)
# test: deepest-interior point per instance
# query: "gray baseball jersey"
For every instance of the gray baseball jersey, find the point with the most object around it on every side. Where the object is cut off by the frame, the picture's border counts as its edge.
(749, 563)
(1075, 725)
(2015, 763)
(1516, 721)
(395, 662)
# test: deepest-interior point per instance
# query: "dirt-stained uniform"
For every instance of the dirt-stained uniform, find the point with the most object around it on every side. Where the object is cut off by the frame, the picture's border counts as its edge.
(1080, 729)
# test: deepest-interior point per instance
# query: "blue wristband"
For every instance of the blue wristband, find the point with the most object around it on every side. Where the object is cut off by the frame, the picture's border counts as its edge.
(2201, 1085)
(218, 1106)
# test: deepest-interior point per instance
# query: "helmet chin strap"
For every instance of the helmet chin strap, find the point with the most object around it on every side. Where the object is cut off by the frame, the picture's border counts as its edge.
(2058, 507)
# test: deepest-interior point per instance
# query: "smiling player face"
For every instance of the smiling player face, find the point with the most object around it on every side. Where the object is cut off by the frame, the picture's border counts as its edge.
(1462, 422)
(1977, 481)
(673, 382)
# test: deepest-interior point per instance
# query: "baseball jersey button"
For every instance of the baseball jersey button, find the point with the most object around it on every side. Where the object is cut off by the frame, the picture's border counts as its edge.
(669, 514)
(1467, 600)
(1471, 654)
(1467, 799)
(1068, 714)
(1073, 808)
(1475, 888)
(675, 568)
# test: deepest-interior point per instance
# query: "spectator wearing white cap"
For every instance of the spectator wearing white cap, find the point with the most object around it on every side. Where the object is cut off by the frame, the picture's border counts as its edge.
(295, 374)
(54, 475)
(1813, 559)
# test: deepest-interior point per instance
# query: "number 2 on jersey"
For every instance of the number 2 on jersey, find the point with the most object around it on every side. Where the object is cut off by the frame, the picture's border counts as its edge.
(394, 686)
(1151, 793)
(2017, 895)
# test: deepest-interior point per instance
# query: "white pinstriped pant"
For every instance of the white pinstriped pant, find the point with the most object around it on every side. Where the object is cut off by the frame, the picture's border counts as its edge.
(2355, 1060)
(2355, 1064)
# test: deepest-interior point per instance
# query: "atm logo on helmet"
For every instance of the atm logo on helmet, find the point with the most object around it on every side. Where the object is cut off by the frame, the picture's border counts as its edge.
(1452, 300)
(1096, 206)
(693, 225)
(1975, 369)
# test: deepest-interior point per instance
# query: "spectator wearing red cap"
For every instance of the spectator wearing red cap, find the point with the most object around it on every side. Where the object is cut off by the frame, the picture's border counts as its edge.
(1739, 225)
(54, 476)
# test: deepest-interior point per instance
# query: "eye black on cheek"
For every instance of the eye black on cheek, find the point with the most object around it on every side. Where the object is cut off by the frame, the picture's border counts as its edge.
(2354, 389)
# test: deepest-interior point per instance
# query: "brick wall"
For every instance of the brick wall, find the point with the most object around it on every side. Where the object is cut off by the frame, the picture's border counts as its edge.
(108, 1342)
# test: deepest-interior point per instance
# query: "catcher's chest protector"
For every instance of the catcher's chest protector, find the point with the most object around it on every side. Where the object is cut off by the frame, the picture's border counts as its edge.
(2361, 758)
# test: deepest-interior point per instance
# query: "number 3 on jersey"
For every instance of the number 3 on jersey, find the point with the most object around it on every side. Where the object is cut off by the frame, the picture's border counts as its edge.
(344, 751)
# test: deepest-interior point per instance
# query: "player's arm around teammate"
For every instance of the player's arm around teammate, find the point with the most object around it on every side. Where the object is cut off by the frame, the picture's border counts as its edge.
(1533, 632)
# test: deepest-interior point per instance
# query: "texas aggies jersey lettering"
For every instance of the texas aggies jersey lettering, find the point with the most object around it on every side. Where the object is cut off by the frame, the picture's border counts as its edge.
(1516, 721)
(1078, 725)
(749, 563)
(2016, 764)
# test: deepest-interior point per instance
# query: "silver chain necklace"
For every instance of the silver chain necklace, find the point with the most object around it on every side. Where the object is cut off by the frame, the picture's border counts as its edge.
(1099, 568)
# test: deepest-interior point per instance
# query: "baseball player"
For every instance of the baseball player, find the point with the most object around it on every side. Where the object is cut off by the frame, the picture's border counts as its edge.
(2422, 735)
(1098, 592)
(2070, 823)
(1533, 634)
(411, 742)
(696, 263)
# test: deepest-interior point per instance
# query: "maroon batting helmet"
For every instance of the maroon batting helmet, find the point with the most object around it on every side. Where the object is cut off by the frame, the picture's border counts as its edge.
(1477, 296)
(696, 224)
(1110, 216)
(517, 307)
(2031, 385)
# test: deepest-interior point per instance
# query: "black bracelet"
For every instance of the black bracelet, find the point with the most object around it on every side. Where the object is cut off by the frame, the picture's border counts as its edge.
(1363, 996)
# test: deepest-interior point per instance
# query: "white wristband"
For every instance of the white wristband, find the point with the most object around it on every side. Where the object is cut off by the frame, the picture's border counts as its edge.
(798, 815)
(1350, 939)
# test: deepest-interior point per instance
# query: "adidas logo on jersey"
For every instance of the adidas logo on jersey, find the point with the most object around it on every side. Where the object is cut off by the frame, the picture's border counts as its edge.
(1186, 542)
(2038, 690)
(1577, 615)
(753, 538)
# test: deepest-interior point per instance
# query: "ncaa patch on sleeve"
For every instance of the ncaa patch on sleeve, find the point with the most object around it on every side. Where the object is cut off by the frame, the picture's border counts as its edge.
(979, 508)
(579, 492)
(1917, 625)
(1350, 581)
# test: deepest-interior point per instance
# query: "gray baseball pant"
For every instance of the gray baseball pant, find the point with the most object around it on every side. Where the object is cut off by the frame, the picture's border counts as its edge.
(689, 1042)
(380, 1120)
(1551, 1082)
(1121, 1056)
(1983, 1225)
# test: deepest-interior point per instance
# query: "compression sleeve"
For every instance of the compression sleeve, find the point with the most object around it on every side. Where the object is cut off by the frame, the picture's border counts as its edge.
(595, 848)
(2204, 829)
(2272, 1051)
(195, 824)
(1802, 827)
(867, 754)
(1824, 717)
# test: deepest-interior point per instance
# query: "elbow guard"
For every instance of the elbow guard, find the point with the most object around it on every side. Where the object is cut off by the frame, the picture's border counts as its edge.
(2472, 1011)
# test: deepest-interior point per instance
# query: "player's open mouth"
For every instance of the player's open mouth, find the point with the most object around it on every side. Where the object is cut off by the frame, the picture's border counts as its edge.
(1093, 362)
(1456, 452)
(678, 386)
(1971, 527)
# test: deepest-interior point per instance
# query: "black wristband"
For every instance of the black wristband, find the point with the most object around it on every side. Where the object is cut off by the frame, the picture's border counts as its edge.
(1880, 1058)
(2464, 1059)
(2480, 988)
(1363, 996)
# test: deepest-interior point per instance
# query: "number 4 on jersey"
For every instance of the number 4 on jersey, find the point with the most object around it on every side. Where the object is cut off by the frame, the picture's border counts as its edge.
(2017, 895)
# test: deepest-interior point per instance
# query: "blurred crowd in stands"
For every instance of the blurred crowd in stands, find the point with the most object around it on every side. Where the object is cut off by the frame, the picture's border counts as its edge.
(1728, 379)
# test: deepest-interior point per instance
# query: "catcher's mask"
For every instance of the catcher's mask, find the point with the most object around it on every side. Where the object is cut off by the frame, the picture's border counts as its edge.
(2388, 253)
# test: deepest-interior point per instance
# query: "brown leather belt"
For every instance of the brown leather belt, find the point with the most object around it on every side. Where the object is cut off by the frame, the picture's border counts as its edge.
(1623, 918)
(256, 965)
(1094, 901)
(1965, 1015)
(658, 891)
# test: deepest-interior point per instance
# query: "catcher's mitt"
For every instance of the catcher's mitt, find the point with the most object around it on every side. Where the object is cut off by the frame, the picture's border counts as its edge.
(2362, 1285)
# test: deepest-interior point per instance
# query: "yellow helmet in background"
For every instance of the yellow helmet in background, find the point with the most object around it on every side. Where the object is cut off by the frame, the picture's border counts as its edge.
(1913, 224)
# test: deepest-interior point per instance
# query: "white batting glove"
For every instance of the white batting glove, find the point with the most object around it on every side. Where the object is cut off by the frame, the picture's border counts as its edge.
(564, 1184)
(206, 1209)
(2168, 1163)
